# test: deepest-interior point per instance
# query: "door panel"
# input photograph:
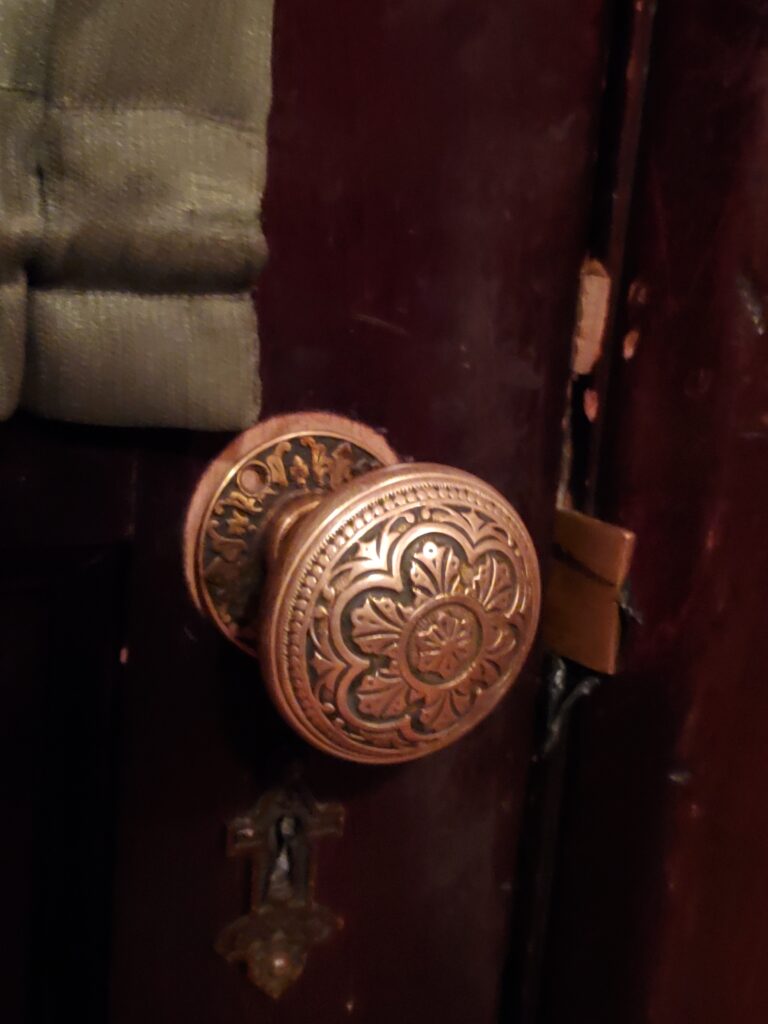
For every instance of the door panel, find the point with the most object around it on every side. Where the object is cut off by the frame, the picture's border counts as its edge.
(660, 905)
(429, 181)
(66, 524)
(425, 209)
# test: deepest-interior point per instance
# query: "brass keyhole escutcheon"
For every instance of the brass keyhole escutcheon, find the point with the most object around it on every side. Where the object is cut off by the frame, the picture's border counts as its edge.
(391, 605)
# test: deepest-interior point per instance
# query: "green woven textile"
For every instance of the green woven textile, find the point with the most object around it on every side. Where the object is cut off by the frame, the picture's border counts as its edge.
(132, 163)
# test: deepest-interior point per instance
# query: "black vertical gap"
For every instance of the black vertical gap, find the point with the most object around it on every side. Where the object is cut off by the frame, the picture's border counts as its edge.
(629, 32)
(621, 124)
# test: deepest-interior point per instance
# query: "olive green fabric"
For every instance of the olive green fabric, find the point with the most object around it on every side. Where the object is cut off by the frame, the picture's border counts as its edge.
(132, 163)
(24, 26)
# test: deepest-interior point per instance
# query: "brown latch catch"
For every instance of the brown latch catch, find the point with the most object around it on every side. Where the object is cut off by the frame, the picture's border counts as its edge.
(581, 618)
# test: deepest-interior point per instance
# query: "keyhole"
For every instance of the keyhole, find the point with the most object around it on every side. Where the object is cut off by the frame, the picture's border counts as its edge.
(281, 878)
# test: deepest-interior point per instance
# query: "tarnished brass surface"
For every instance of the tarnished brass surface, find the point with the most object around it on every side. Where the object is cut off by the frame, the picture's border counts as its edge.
(586, 590)
(284, 921)
(262, 470)
(400, 613)
(398, 608)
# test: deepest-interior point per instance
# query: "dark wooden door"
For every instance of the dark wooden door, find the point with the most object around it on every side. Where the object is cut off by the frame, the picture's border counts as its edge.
(660, 903)
(437, 171)
(430, 176)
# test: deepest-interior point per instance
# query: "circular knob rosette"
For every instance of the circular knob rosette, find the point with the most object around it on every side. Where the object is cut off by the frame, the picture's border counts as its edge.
(399, 612)
(247, 489)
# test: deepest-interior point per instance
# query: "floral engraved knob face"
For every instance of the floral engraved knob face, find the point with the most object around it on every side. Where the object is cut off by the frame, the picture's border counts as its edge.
(399, 613)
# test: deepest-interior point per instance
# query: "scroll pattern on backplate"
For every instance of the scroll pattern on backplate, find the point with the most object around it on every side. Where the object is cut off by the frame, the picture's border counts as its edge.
(232, 552)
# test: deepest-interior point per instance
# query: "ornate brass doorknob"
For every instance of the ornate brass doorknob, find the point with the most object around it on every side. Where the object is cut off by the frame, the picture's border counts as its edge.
(391, 605)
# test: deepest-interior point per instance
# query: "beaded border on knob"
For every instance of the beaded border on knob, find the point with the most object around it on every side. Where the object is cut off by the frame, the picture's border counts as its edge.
(404, 609)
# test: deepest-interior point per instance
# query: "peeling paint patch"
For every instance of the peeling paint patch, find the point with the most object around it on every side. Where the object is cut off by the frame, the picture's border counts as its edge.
(753, 303)
(591, 404)
(630, 343)
(594, 295)
(637, 294)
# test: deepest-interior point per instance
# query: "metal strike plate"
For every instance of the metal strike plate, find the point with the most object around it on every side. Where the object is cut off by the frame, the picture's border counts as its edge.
(582, 614)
